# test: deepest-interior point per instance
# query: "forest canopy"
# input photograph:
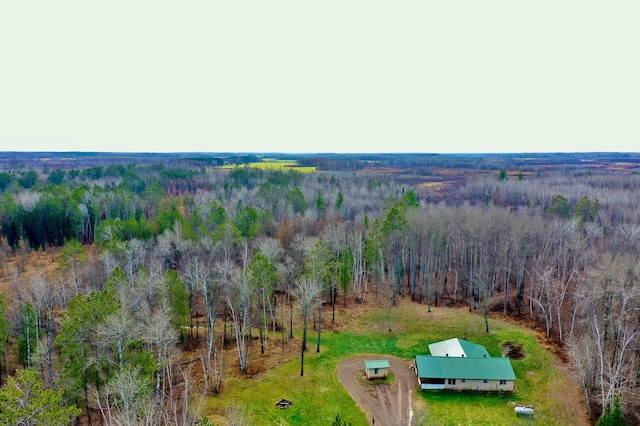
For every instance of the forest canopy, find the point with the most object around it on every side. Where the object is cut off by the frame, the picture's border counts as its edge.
(175, 244)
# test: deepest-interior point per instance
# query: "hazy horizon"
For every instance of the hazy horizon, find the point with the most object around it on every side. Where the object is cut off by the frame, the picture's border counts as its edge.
(332, 77)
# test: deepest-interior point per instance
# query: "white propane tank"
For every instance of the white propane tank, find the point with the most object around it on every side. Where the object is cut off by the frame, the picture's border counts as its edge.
(525, 411)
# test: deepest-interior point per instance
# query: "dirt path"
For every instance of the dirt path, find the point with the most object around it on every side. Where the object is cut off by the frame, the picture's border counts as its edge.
(385, 404)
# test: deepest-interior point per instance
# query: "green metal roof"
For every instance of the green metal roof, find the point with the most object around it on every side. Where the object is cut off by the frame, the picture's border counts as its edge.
(458, 348)
(448, 367)
(382, 363)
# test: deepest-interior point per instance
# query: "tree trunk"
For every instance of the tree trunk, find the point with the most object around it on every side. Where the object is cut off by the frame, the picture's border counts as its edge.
(334, 295)
(290, 316)
(260, 324)
(319, 325)
(282, 325)
(304, 343)
(224, 330)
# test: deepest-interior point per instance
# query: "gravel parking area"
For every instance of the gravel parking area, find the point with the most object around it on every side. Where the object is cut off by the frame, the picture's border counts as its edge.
(383, 404)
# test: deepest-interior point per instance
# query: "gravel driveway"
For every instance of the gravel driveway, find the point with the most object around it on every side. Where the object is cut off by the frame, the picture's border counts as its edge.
(388, 405)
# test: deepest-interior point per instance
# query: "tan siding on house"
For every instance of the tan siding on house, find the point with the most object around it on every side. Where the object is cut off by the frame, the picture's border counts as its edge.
(479, 385)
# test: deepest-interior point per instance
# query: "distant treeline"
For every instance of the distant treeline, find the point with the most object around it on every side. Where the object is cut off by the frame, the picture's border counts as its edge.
(21, 161)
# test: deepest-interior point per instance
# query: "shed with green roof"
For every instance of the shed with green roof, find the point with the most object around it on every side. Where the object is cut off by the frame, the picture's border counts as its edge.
(376, 369)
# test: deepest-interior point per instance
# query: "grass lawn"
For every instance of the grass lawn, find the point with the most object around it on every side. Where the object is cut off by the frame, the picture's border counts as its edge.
(319, 396)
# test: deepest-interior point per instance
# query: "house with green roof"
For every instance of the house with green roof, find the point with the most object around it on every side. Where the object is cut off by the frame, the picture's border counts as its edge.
(377, 369)
(457, 364)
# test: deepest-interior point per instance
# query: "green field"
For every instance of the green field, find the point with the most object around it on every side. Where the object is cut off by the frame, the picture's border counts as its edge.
(282, 165)
(319, 396)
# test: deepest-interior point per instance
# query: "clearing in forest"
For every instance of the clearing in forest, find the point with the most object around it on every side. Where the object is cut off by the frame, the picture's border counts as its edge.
(280, 165)
(318, 396)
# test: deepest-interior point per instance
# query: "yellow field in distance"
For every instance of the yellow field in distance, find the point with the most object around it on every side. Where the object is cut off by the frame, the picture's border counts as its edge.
(282, 165)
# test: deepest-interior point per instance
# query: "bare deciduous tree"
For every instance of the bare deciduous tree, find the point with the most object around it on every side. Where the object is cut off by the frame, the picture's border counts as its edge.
(128, 400)
(306, 292)
(160, 334)
(238, 295)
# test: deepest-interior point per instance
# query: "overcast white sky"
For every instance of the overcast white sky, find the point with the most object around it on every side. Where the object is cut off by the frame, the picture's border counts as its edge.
(320, 76)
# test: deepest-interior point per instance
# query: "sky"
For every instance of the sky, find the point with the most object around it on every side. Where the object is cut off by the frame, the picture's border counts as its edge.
(320, 76)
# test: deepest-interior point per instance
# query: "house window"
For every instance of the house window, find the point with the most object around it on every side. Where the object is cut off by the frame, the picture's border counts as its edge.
(452, 381)
(464, 380)
(484, 381)
(503, 382)
(375, 371)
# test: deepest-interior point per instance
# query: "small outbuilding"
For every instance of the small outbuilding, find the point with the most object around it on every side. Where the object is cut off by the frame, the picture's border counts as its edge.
(378, 369)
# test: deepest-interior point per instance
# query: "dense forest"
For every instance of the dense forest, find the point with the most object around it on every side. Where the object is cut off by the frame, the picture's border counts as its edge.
(164, 261)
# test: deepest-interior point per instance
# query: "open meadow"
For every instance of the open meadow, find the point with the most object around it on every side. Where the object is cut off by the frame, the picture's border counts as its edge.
(279, 165)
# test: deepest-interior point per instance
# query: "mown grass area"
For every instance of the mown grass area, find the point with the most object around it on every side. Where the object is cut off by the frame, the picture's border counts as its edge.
(282, 165)
(319, 396)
